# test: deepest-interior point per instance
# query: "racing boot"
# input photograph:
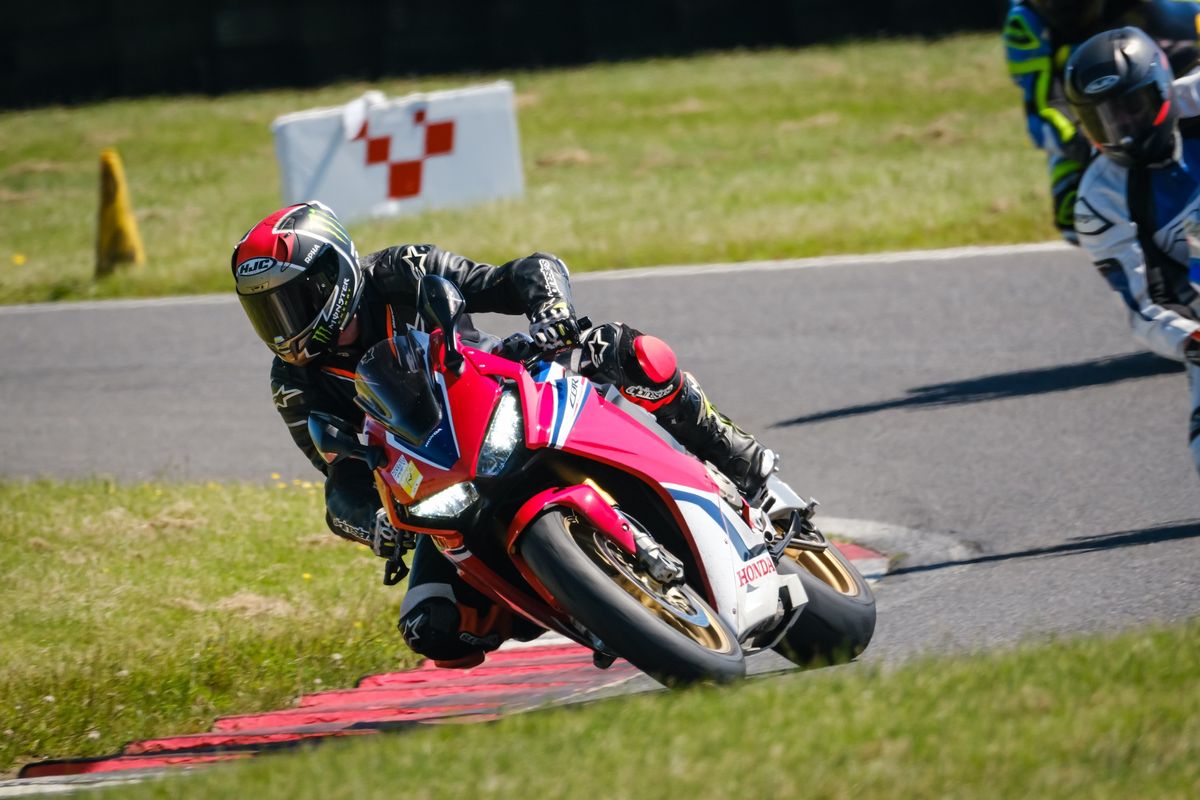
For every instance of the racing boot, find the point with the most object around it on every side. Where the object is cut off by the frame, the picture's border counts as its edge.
(710, 435)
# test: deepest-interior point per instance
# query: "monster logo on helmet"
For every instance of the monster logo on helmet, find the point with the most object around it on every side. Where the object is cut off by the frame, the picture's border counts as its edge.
(302, 308)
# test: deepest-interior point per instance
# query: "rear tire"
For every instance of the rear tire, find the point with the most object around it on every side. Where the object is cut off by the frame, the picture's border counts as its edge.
(838, 621)
(670, 633)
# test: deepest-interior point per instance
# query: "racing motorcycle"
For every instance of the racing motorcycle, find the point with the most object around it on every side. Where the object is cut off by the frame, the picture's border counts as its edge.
(569, 505)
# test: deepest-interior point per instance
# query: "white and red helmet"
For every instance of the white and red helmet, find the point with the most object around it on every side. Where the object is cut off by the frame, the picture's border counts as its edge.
(298, 279)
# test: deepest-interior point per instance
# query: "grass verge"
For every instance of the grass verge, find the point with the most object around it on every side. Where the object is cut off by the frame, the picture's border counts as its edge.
(135, 611)
(785, 153)
(1096, 717)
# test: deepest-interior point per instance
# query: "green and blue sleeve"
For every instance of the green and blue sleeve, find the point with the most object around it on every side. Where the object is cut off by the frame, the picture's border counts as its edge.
(1033, 64)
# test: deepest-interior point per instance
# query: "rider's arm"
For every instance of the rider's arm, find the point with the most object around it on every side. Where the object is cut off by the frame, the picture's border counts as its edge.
(1110, 237)
(1187, 95)
(1032, 64)
(521, 286)
(295, 397)
(350, 497)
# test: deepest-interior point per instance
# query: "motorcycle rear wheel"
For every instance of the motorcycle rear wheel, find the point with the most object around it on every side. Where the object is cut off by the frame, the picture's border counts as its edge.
(837, 623)
(668, 632)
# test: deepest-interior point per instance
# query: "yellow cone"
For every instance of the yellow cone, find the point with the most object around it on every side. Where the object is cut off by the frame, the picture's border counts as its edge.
(117, 240)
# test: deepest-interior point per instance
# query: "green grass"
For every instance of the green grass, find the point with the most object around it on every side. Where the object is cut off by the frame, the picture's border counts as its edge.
(1093, 718)
(861, 147)
(132, 611)
(135, 611)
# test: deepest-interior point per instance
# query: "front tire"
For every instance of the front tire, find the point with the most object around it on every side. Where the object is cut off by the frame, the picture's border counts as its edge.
(668, 632)
(838, 621)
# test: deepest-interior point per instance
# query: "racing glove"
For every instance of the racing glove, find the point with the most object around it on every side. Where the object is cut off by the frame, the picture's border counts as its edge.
(554, 326)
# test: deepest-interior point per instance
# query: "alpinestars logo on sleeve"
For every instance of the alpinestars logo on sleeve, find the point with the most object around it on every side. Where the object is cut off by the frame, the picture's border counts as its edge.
(415, 258)
(550, 276)
(597, 346)
(283, 395)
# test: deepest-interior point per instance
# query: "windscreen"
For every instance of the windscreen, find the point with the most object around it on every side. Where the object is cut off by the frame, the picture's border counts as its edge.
(394, 388)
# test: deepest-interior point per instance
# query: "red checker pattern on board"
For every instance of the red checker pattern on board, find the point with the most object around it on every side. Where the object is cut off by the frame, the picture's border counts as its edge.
(439, 139)
(404, 177)
(378, 149)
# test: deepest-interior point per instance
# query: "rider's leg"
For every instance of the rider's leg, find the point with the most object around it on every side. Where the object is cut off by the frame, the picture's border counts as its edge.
(645, 371)
(444, 618)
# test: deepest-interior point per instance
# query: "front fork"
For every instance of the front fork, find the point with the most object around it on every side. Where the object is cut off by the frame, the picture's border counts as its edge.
(596, 508)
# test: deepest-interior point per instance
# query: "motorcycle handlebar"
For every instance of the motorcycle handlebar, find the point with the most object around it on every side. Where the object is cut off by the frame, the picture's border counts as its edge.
(520, 347)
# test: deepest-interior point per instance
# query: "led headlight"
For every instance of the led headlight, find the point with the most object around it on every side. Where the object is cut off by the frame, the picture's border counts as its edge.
(448, 503)
(504, 434)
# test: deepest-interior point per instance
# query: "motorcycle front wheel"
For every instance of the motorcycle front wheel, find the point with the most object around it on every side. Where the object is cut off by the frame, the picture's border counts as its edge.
(838, 621)
(667, 631)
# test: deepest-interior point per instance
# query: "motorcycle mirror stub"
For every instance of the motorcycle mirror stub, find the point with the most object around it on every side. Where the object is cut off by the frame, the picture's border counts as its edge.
(442, 306)
(335, 442)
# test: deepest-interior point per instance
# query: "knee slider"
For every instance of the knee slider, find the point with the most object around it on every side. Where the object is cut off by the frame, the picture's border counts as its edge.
(652, 377)
(431, 629)
(655, 358)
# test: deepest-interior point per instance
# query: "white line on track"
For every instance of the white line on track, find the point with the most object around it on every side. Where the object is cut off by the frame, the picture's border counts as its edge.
(902, 257)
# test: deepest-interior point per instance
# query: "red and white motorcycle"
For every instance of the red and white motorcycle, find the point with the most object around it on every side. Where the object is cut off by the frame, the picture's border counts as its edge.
(573, 508)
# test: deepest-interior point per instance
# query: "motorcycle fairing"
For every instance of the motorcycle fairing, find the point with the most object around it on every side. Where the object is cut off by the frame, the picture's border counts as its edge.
(724, 546)
(747, 566)
(565, 412)
(449, 455)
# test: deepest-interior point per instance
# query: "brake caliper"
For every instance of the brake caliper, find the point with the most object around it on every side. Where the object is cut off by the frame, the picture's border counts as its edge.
(662, 566)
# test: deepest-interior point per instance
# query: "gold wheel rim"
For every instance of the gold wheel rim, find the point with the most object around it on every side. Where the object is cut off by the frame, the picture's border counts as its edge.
(677, 605)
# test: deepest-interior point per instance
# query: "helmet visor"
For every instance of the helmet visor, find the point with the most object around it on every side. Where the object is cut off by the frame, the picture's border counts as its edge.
(283, 314)
(1121, 120)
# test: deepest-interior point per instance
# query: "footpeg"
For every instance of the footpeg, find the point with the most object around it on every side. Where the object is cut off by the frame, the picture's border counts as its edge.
(602, 660)
(395, 570)
(801, 532)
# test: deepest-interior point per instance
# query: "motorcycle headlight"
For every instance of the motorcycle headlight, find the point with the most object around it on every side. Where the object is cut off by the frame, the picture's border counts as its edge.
(505, 432)
(448, 503)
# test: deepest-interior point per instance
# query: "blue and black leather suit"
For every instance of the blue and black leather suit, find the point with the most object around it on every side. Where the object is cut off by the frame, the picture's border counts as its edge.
(1036, 57)
(1134, 223)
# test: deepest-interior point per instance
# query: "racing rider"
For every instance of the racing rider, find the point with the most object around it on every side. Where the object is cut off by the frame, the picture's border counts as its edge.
(1137, 199)
(1039, 35)
(318, 306)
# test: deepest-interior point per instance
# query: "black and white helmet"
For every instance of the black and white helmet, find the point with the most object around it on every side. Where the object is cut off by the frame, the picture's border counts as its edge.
(1118, 85)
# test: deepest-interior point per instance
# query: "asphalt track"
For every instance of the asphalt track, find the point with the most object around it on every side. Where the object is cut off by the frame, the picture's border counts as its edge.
(986, 410)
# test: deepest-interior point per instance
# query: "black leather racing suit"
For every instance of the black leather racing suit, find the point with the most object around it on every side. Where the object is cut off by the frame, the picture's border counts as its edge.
(443, 617)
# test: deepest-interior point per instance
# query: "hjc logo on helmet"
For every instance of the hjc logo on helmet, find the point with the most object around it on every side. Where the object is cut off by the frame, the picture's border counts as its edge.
(254, 266)
(1100, 84)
